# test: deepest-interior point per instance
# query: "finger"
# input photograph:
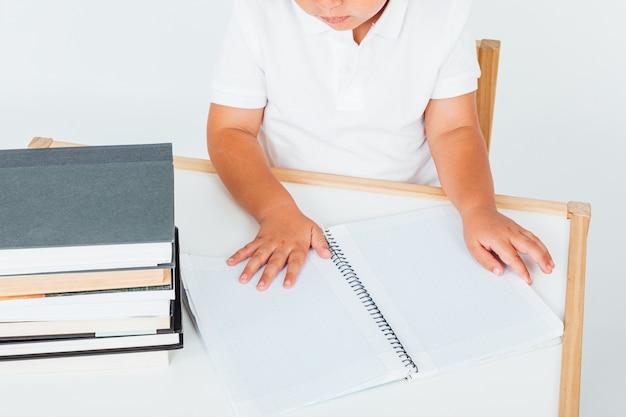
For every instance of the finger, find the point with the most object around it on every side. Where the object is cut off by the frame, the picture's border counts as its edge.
(294, 266)
(510, 256)
(243, 253)
(487, 259)
(517, 264)
(255, 262)
(532, 246)
(319, 244)
(274, 265)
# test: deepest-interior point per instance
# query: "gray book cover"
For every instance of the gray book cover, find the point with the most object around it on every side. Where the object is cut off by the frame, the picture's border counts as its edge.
(92, 195)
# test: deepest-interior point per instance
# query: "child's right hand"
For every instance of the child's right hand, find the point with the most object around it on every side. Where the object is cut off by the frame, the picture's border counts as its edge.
(284, 239)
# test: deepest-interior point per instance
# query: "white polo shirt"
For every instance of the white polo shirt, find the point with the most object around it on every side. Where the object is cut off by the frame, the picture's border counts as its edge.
(334, 106)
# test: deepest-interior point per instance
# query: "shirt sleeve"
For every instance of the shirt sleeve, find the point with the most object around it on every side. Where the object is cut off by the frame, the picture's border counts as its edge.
(238, 78)
(460, 71)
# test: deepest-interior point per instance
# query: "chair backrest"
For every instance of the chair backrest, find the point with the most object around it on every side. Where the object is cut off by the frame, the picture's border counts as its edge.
(488, 51)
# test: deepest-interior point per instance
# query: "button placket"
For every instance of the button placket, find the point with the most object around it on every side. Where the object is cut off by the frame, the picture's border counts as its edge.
(349, 89)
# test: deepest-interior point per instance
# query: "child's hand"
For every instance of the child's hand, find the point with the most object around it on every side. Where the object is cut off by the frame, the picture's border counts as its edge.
(495, 241)
(284, 239)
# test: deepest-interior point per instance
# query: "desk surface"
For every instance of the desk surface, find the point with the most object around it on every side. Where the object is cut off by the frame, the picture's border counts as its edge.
(211, 223)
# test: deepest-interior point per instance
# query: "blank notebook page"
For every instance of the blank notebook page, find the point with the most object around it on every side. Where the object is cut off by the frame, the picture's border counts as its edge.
(446, 309)
(279, 349)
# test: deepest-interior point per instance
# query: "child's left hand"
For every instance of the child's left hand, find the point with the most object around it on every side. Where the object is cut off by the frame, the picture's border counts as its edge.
(496, 241)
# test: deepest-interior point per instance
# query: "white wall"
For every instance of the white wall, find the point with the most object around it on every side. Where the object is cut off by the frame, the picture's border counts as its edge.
(108, 72)
(138, 71)
(560, 134)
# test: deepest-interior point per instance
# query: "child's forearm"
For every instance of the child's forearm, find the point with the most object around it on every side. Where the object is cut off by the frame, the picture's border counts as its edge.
(242, 167)
(240, 162)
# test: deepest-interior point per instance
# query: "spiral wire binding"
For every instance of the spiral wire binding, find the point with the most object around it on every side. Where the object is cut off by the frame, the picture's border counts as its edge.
(353, 280)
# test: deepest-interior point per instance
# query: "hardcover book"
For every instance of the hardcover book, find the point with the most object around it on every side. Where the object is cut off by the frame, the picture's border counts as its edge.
(65, 282)
(107, 340)
(85, 208)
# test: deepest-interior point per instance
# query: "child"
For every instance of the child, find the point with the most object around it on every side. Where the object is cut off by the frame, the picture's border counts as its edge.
(371, 88)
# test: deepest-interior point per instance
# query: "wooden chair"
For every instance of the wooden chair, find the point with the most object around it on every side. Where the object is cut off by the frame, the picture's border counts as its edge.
(488, 51)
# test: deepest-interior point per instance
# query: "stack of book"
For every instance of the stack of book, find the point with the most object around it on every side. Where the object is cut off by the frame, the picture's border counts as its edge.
(88, 257)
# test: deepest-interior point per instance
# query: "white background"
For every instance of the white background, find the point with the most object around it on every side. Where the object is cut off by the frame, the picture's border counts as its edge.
(138, 71)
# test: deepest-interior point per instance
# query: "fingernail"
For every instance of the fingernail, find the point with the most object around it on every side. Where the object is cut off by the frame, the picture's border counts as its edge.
(260, 286)
(288, 283)
(243, 278)
(230, 261)
(497, 271)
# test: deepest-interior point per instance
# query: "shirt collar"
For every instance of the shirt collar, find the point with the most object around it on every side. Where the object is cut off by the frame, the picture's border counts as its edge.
(389, 25)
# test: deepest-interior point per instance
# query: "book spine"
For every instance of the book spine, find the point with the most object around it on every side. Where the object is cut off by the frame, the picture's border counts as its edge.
(353, 280)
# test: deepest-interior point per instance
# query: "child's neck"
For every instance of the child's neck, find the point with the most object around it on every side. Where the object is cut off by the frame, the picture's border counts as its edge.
(359, 33)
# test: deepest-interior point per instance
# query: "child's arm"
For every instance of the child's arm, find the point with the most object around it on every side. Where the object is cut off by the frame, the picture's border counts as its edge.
(460, 156)
(285, 234)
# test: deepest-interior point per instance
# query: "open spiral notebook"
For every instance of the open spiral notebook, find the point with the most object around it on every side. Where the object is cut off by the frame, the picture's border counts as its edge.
(401, 298)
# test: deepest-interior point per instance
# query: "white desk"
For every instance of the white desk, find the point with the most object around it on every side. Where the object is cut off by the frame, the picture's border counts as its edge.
(211, 223)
